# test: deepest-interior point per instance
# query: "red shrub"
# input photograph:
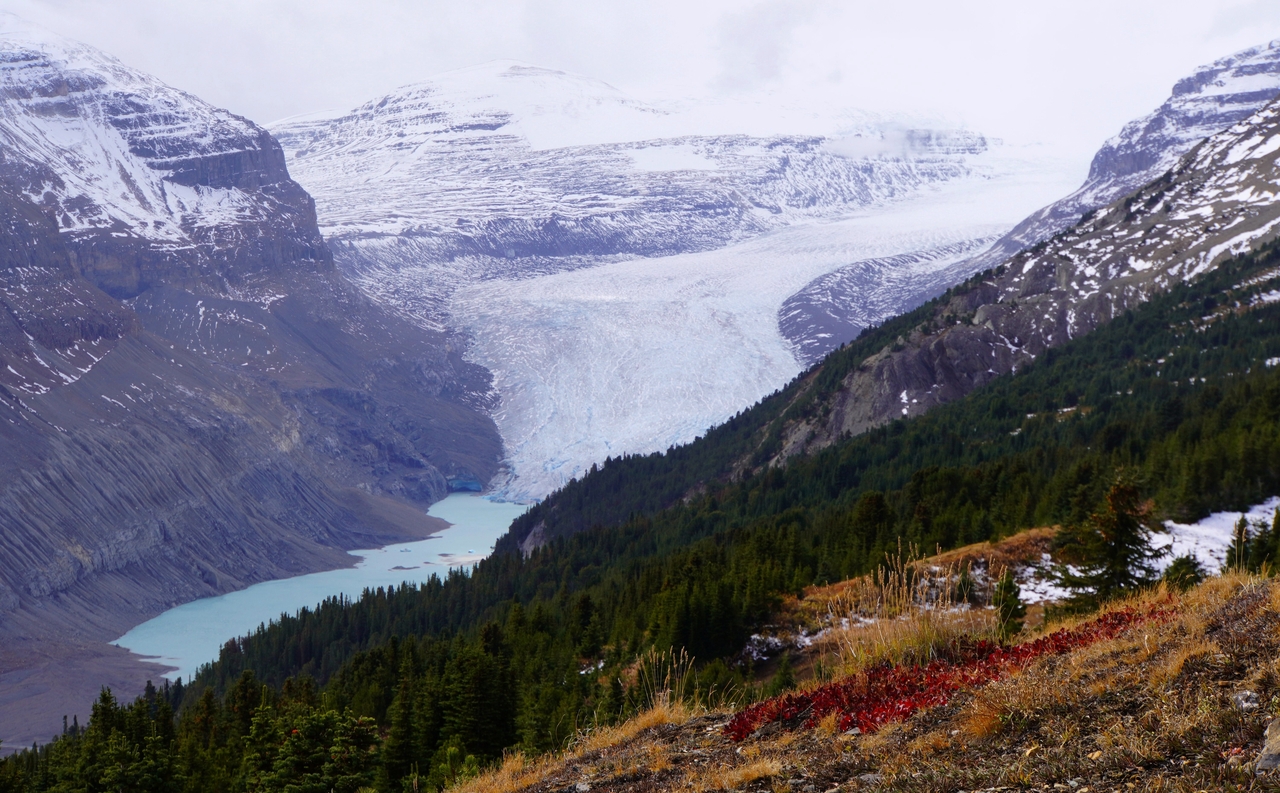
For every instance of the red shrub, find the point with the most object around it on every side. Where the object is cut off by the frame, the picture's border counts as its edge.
(891, 693)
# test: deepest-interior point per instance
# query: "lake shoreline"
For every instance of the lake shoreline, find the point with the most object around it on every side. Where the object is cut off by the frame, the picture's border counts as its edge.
(45, 676)
(178, 641)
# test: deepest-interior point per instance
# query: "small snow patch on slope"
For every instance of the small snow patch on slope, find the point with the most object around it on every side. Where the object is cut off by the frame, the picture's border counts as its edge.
(1208, 539)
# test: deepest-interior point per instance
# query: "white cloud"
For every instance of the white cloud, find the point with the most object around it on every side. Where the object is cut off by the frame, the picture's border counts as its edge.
(1070, 72)
(753, 43)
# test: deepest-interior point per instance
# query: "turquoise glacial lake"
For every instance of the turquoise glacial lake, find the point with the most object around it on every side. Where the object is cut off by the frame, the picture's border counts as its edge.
(188, 636)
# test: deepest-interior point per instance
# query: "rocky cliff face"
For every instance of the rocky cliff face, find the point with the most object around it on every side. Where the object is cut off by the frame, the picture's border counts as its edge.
(1217, 201)
(192, 397)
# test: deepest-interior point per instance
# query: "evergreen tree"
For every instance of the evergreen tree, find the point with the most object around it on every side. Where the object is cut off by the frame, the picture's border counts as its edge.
(1184, 572)
(1110, 554)
(1010, 610)
(785, 678)
(398, 750)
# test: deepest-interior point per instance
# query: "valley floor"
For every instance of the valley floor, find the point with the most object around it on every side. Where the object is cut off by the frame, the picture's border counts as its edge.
(44, 680)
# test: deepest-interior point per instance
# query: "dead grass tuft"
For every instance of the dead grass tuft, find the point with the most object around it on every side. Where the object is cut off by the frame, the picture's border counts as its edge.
(667, 712)
(734, 777)
(1167, 673)
(905, 613)
(515, 773)
(829, 724)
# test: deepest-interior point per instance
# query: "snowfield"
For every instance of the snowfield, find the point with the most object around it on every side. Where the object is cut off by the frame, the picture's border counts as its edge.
(1207, 540)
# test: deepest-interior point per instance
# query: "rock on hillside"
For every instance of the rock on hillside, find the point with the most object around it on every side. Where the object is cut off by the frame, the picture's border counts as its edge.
(1218, 201)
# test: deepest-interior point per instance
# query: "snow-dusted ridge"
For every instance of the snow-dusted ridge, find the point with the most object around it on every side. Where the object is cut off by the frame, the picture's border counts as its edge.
(1220, 200)
(1214, 97)
(111, 148)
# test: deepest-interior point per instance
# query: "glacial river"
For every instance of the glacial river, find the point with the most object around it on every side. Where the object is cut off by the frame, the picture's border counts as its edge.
(190, 635)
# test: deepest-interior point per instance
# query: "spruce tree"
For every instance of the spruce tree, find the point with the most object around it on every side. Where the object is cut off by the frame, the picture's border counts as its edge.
(1184, 573)
(398, 747)
(1010, 610)
(1110, 554)
(784, 680)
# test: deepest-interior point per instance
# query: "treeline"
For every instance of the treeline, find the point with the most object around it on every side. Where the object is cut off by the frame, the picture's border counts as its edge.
(1182, 394)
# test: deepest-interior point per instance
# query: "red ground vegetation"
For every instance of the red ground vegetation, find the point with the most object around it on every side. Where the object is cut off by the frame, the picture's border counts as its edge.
(886, 694)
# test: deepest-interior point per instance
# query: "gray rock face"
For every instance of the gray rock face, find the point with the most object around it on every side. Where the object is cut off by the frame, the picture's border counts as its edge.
(1269, 758)
(1218, 201)
(192, 397)
(833, 309)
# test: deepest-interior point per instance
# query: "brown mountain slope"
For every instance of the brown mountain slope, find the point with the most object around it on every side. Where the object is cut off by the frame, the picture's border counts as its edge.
(1179, 703)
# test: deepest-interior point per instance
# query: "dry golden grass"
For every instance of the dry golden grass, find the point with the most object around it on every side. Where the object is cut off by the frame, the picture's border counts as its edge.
(1022, 549)
(829, 724)
(1166, 673)
(1148, 710)
(517, 773)
(905, 613)
(667, 712)
(735, 776)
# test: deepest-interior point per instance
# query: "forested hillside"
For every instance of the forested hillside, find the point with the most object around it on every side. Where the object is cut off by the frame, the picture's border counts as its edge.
(1182, 393)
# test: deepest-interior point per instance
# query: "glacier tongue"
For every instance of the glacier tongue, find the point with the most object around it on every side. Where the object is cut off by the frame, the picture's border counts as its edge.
(635, 356)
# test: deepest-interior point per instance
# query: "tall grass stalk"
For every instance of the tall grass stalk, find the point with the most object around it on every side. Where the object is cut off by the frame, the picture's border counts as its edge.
(906, 613)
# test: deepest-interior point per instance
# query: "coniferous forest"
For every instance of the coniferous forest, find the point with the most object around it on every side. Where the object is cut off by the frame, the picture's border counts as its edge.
(415, 687)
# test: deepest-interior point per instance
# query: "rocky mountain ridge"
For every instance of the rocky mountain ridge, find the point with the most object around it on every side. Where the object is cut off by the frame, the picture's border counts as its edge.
(1212, 98)
(618, 265)
(508, 170)
(833, 310)
(1218, 201)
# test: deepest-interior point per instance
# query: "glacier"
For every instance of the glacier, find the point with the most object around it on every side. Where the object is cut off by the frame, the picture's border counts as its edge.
(619, 266)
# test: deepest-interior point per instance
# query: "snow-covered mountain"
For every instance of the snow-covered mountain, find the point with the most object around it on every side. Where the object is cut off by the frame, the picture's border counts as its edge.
(1213, 98)
(114, 154)
(192, 397)
(513, 161)
(618, 265)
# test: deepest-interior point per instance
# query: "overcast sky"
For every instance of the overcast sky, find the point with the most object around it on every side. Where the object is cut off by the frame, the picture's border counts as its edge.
(1067, 72)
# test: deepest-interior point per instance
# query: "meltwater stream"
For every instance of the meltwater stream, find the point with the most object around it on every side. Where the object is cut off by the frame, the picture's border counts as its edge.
(190, 635)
